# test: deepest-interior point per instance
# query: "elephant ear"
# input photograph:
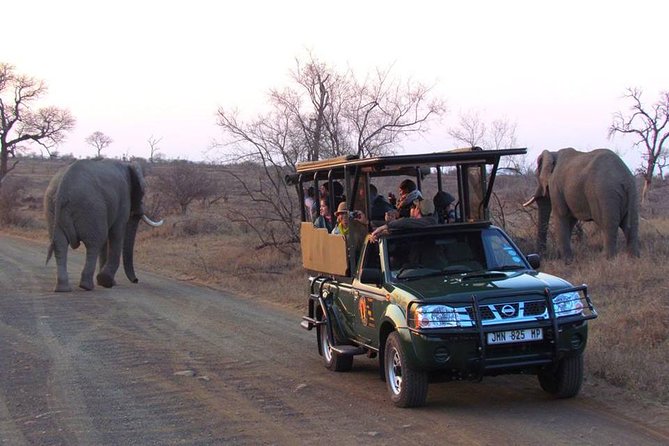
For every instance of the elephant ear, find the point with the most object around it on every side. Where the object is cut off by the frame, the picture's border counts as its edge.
(137, 188)
(545, 166)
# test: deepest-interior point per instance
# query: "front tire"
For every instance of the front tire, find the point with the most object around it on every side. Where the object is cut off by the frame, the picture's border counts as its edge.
(563, 381)
(407, 387)
(332, 360)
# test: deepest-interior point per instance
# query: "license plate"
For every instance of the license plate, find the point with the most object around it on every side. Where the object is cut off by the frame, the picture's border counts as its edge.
(511, 336)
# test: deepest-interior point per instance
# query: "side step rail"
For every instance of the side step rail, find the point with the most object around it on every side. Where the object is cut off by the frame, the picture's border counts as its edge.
(309, 323)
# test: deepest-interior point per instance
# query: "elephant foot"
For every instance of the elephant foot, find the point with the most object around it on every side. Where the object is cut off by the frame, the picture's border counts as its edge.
(63, 288)
(105, 280)
(86, 285)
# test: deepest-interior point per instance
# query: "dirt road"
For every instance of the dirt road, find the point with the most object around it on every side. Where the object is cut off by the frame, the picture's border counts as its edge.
(165, 362)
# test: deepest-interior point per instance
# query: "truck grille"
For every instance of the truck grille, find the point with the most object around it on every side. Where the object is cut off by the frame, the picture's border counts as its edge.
(510, 312)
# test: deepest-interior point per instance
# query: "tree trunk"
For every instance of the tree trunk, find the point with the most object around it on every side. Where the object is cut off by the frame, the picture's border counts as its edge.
(646, 188)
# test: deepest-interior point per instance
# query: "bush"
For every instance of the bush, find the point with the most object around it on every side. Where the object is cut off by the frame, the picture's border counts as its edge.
(10, 198)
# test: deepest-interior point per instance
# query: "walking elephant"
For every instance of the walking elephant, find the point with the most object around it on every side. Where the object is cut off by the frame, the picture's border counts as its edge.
(588, 186)
(99, 203)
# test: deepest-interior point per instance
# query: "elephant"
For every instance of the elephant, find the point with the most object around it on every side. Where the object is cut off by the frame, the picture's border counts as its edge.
(587, 186)
(97, 202)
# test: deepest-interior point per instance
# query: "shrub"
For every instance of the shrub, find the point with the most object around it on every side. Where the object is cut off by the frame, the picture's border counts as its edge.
(10, 199)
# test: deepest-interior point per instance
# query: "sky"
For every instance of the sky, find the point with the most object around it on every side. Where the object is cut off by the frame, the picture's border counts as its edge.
(143, 69)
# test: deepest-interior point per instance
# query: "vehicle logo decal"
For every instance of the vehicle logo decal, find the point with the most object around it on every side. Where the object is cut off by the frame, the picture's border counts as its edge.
(365, 307)
(508, 310)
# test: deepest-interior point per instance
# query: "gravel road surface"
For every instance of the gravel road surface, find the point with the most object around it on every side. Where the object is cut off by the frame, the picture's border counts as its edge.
(166, 362)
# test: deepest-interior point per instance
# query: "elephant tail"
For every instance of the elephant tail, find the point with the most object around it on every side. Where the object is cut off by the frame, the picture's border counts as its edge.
(60, 220)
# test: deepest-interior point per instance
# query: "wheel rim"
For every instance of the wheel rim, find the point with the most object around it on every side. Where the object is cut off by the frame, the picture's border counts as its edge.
(394, 366)
(325, 343)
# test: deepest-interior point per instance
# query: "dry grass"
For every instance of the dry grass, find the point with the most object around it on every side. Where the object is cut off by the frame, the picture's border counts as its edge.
(628, 343)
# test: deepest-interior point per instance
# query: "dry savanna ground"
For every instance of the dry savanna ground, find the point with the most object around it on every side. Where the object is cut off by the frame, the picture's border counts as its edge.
(628, 344)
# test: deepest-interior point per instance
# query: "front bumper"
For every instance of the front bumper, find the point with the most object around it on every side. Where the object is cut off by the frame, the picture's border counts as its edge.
(465, 353)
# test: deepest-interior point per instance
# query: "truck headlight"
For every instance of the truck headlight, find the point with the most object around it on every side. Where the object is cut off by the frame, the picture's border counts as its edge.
(438, 316)
(568, 304)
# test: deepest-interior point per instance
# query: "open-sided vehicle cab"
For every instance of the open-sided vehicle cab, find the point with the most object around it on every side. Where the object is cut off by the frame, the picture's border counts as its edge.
(456, 300)
(476, 170)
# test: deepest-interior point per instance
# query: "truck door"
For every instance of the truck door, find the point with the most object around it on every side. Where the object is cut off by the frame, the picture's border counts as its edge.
(369, 295)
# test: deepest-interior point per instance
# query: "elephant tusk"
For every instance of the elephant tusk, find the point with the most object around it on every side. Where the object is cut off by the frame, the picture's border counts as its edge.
(150, 222)
(529, 202)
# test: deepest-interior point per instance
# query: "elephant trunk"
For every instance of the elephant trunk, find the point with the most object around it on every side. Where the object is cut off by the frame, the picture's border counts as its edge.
(544, 207)
(129, 247)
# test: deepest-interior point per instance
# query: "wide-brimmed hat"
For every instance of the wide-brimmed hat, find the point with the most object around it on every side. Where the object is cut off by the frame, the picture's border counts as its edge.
(425, 205)
(341, 209)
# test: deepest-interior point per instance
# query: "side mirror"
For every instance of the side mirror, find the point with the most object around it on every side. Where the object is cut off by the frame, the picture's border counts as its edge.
(371, 275)
(534, 260)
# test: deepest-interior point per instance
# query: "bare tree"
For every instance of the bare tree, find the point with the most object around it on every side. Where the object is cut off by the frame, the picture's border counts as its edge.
(153, 145)
(649, 129)
(323, 113)
(183, 182)
(21, 123)
(471, 130)
(99, 141)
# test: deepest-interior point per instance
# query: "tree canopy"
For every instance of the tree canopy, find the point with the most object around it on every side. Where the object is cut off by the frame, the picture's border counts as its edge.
(21, 122)
(648, 127)
(322, 113)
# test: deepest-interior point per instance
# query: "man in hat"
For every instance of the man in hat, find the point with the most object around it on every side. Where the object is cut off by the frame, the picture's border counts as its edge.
(353, 226)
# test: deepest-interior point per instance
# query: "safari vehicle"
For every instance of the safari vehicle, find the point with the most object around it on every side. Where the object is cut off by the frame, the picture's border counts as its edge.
(444, 302)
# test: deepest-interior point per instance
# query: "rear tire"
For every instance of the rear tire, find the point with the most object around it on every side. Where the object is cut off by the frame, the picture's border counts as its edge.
(563, 381)
(407, 387)
(332, 360)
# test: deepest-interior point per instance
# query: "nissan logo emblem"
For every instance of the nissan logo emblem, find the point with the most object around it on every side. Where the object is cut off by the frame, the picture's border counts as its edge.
(508, 310)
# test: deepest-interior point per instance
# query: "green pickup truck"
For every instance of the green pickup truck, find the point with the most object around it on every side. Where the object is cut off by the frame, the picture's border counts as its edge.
(456, 300)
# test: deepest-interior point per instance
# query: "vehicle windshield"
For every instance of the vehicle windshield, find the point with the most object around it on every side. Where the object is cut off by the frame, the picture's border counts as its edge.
(451, 253)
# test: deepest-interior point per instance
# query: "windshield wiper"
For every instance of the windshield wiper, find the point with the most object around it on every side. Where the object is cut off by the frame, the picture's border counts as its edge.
(508, 267)
(451, 271)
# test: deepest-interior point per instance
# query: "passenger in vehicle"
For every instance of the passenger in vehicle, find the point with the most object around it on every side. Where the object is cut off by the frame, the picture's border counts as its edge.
(325, 219)
(443, 206)
(408, 193)
(379, 205)
(338, 192)
(311, 204)
(353, 226)
(421, 215)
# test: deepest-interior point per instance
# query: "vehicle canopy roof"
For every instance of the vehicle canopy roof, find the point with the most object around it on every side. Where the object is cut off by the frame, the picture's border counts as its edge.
(396, 165)
(470, 163)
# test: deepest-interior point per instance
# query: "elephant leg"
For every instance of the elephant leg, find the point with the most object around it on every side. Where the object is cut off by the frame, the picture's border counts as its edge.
(92, 252)
(564, 228)
(108, 271)
(103, 256)
(102, 262)
(631, 239)
(610, 240)
(60, 247)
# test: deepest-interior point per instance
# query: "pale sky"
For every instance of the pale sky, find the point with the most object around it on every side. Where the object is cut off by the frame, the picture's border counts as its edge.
(136, 69)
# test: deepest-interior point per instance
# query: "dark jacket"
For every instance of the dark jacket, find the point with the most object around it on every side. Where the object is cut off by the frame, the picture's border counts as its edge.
(322, 222)
(379, 208)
